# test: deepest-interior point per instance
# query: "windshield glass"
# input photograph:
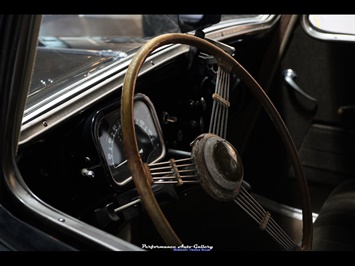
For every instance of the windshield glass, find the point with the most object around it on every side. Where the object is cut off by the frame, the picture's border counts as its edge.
(115, 32)
(74, 49)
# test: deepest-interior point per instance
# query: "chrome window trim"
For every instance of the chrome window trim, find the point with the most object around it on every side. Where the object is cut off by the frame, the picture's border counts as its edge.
(323, 35)
(110, 79)
(242, 26)
(69, 223)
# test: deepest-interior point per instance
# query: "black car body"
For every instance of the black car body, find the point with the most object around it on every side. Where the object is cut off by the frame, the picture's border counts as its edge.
(196, 168)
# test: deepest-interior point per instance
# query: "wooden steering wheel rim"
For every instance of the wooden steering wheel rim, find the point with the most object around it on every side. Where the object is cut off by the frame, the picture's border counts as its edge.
(139, 170)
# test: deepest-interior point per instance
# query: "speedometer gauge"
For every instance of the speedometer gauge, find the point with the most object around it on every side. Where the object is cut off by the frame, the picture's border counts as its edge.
(149, 139)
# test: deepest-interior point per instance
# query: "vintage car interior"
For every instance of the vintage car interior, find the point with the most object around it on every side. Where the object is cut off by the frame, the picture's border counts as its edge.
(185, 133)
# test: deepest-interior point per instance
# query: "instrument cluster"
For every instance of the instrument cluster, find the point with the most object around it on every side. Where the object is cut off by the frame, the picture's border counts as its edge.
(110, 143)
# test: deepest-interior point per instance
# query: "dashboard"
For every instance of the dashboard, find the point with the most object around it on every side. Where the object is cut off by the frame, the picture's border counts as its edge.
(84, 159)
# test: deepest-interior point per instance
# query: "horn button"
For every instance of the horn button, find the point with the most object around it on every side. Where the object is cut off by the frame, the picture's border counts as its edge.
(218, 165)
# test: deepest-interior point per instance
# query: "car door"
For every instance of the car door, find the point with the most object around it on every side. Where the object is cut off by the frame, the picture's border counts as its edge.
(313, 89)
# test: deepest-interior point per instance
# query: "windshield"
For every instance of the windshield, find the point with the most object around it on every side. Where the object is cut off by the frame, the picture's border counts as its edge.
(74, 49)
(115, 32)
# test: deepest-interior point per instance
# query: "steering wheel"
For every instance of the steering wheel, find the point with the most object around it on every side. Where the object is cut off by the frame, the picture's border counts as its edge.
(215, 161)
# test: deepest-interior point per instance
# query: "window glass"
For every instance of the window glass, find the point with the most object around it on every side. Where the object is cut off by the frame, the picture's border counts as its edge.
(74, 48)
(330, 27)
(344, 24)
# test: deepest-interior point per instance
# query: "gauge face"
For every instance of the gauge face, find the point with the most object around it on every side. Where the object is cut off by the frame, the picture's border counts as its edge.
(149, 139)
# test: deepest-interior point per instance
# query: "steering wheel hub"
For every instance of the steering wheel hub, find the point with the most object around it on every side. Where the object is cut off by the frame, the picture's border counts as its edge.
(218, 165)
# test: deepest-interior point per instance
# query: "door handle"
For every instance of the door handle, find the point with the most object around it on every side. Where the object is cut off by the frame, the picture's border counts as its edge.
(289, 78)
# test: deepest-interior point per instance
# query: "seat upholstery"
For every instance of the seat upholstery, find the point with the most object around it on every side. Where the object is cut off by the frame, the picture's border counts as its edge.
(334, 229)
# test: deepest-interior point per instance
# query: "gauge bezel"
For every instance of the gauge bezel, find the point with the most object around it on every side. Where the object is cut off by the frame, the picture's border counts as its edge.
(101, 117)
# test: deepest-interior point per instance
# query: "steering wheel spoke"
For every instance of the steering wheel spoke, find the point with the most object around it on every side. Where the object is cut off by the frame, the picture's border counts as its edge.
(174, 171)
(219, 116)
(266, 223)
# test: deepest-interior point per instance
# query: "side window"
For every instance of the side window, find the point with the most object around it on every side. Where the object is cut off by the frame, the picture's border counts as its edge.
(330, 27)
